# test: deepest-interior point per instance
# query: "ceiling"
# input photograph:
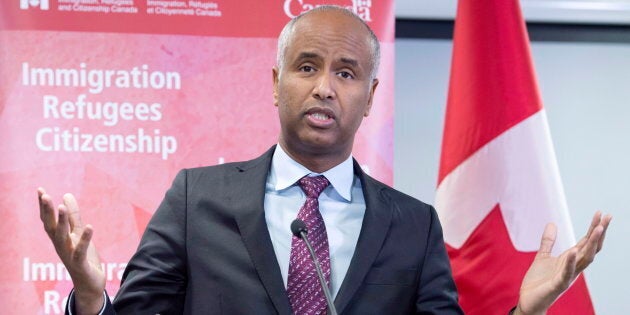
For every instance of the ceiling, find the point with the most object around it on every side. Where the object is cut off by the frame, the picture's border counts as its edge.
(553, 11)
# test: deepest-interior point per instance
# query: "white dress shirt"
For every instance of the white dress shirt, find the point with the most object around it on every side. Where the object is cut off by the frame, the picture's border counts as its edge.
(341, 204)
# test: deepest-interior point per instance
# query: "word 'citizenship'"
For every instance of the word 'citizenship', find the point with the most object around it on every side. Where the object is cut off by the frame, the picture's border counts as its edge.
(109, 112)
(55, 139)
(97, 80)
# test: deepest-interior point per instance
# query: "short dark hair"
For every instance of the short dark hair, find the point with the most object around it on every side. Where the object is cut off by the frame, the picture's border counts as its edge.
(287, 31)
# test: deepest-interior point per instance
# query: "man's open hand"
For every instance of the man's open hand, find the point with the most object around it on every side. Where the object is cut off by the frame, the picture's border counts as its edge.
(549, 276)
(73, 244)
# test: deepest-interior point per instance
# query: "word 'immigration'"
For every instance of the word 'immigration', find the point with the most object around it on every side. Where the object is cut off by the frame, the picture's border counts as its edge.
(99, 79)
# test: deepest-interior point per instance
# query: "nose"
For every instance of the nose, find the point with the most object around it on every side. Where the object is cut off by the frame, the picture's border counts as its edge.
(324, 88)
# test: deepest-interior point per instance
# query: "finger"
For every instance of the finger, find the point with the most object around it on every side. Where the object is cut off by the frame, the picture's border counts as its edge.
(73, 211)
(597, 218)
(63, 229)
(605, 222)
(587, 253)
(569, 268)
(81, 249)
(594, 223)
(548, 239)
(47, 212)
(40, 192)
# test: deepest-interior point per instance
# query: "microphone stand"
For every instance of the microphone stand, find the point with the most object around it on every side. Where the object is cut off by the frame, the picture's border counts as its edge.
(298, 227)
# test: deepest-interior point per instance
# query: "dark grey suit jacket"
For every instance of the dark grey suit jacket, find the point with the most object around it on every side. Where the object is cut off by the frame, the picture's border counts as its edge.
(207, 250)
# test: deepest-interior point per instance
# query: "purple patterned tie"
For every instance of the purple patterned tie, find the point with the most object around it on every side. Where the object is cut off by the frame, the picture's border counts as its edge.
(305, 293)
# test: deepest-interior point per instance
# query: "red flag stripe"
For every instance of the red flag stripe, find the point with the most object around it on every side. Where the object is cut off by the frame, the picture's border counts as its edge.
(491, 69)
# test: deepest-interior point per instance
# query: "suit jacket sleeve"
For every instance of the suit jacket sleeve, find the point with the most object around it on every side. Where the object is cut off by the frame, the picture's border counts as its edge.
(437, 293)
(154, 281)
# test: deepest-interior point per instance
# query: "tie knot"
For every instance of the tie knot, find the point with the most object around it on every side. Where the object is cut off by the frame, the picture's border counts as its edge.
(313, 186)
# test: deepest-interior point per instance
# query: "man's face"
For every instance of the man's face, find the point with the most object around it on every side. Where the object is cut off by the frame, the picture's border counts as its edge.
(324, 88)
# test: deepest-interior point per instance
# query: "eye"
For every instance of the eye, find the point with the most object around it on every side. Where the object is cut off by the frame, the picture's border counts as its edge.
(307, 69)
(345, 75)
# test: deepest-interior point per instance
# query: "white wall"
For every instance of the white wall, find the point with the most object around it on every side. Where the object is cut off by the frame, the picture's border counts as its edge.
(586, 91)
(555, 11)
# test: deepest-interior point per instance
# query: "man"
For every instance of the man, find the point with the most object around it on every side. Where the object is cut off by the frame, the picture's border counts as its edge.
(220, 240)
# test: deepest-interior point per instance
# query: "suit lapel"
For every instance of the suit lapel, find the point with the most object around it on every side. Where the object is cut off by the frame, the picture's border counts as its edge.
(374, 229)
(251, 178)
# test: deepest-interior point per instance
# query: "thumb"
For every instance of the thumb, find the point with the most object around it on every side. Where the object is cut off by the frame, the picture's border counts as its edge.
(548, 240)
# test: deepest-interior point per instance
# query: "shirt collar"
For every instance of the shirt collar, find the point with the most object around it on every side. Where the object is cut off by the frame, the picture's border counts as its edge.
(286, 171)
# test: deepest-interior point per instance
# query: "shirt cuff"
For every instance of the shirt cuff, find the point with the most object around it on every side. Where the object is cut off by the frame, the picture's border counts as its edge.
(71, 303)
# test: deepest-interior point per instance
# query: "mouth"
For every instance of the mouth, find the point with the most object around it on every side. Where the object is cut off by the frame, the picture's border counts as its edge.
(320, 117)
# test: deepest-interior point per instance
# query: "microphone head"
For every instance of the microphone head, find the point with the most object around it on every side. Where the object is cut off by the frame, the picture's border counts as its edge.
(297, 227)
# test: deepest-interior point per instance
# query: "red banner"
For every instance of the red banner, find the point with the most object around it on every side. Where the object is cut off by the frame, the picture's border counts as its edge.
(108, 99)
(244, 18)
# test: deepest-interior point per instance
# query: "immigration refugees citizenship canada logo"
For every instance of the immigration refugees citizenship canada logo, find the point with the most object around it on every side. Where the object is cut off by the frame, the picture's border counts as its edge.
(40, 4)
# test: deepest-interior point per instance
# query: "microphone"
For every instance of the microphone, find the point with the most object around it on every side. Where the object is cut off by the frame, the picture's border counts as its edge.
(298, 227)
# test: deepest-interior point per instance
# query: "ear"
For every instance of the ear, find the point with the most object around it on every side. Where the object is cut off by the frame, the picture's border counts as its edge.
(369, 104)
(275, 73)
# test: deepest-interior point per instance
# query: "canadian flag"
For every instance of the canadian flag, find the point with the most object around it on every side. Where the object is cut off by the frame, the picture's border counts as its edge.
(499, 182)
